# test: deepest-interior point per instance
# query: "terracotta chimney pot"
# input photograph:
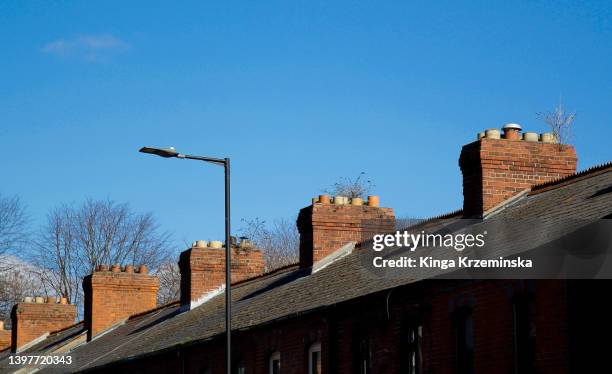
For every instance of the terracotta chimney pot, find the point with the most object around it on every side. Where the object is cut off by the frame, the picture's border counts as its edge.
(324, 199)
(373, 201)
(512, 131)
(143, 269)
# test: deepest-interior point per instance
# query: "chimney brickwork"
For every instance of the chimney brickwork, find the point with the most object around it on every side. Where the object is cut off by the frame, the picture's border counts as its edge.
(326, 227)
(114, 294)
(203, 269)
(32, 320)
(495, 169)
(5, 337)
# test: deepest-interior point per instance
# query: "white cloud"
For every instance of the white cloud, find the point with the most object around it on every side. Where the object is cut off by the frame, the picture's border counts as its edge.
(87, 47)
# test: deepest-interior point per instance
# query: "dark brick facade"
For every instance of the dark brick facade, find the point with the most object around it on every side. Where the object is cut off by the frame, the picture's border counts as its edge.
(382, 323)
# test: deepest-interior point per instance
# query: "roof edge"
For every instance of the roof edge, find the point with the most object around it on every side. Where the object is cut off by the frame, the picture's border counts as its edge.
(563, 181)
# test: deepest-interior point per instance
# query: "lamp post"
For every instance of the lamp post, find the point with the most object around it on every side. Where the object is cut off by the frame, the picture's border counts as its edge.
(225, 162)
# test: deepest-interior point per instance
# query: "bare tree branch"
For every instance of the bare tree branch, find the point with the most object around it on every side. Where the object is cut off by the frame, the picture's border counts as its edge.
(77, 239)
(13, 223)
(560, 122)
(351, 187)
(279, 241)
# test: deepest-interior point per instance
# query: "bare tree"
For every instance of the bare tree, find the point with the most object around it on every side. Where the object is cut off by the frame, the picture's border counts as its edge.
(77, 239)
(169, 282)
(560, 122)
(351, 187)
(279, 241)
(13, 222)
(18, 281)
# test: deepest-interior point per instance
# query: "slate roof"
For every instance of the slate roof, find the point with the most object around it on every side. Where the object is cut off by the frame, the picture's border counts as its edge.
(545, 214)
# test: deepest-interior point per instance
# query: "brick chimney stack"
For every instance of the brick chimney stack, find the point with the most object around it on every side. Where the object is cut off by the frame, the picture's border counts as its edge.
(5, 337)
(203, 269)
(36, 316)
(326, 226)
(114, 293)
(496, 167)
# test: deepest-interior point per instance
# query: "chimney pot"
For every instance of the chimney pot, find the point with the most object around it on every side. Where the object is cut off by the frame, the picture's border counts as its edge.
(340, 200)
(51, 300)
(357, 201)
(27, 299)
(39, 300)
(129, 268)
(530, 137)
(143, 269)
(512, 131)
(492, 134)
(547, 137)
(324, 199)
(63, 300)
(201, 244)
(103, 267)
(373, 201)
(216, 244)
(116, 268)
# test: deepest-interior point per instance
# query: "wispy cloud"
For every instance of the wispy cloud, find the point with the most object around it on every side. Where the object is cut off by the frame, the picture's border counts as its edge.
(86, 47)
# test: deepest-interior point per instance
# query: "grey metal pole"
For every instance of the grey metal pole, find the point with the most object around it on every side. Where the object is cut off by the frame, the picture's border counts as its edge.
(228, 277)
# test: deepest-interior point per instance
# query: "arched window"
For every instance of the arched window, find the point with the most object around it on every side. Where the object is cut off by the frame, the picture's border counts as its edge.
(274, 363)
(314, 359)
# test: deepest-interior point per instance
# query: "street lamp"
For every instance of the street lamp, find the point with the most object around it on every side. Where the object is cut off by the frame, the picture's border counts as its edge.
(225, 162)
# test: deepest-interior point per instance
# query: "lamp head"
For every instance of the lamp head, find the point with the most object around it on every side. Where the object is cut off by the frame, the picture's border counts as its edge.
(163, 152)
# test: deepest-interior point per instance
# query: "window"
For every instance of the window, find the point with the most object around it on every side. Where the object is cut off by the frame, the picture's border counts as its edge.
(464, 339)
(275, 363)
(239, 368)
(364, 358)
(524, 335)
(413, 348)
(314, 359)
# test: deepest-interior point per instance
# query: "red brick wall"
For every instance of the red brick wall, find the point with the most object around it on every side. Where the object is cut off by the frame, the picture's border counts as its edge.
(382, 319)
(113, 296)
(5, 339)
(497, 169)
(325, 228)
(203, 269)
(31, 320)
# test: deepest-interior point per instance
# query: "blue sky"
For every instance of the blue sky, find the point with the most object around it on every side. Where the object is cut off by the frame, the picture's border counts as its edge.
(297, 93)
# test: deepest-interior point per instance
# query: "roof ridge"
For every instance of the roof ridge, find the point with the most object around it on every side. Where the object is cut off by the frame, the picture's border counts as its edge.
(562, 181)
(267, 273)
(66, 328)
(450, 214)
(163, 306)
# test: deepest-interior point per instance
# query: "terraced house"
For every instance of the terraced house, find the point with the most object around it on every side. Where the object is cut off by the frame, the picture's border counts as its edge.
(334, 313)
